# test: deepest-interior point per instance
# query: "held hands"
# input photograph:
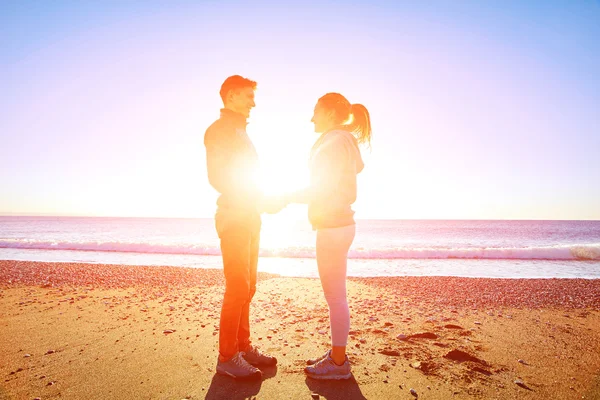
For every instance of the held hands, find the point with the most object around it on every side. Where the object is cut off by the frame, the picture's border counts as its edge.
(274, 204)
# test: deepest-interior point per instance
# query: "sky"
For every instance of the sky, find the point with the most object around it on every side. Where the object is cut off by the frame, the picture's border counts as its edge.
(480, 110)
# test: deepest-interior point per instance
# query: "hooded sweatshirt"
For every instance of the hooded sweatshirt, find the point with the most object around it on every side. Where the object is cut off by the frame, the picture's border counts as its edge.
(334, 163)
(232, 164)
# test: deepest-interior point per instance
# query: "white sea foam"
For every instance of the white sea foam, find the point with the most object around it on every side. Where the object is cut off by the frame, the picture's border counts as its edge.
(563, 252)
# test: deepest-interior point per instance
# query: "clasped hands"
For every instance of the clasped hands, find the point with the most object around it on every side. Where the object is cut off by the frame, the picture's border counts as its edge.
(274, 204)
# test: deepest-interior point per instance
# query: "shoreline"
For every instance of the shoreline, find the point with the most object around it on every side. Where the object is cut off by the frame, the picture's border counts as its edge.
(74, 330)
(357, 268)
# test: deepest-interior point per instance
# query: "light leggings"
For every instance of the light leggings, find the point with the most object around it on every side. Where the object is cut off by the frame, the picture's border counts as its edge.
(332, 257)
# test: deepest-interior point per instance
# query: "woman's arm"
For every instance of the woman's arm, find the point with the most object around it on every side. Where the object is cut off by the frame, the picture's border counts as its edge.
(326, 167)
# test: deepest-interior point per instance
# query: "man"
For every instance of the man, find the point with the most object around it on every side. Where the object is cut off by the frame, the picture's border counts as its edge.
(232, 164)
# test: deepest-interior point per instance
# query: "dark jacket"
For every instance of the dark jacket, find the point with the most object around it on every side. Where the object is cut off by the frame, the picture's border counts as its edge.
(232, 164)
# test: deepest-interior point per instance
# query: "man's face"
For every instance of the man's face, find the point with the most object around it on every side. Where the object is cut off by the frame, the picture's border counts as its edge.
(242, 101)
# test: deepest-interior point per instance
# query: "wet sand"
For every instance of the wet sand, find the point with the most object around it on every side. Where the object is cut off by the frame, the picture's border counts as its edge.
(75, 331)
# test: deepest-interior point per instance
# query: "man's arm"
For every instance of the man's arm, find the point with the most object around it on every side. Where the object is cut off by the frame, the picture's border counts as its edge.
(218, 158)
(229, 172)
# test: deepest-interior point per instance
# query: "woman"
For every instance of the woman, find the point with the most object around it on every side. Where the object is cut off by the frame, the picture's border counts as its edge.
(335, 161)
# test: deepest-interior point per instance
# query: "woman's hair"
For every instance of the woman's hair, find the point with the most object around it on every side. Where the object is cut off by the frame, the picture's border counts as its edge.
(354, 117)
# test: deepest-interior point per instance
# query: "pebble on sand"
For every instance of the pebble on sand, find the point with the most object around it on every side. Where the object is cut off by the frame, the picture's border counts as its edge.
(423, 335)
(459, 355)
(519, 382)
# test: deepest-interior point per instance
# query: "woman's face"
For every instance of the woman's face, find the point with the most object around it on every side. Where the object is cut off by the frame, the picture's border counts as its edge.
(322, 118)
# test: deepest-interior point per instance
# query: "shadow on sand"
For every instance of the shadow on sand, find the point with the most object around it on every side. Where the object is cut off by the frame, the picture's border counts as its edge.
(225, 388)
(336, 390)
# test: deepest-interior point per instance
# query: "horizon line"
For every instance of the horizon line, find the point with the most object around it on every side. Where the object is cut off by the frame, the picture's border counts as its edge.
(357, 219)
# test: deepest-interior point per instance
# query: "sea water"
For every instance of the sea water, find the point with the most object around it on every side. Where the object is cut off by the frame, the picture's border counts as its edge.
(469, 248)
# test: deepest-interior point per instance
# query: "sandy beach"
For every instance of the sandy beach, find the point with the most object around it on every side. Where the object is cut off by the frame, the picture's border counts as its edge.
(89, 331)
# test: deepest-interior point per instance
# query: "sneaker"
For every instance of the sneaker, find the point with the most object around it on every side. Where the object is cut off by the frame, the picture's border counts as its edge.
(237, 367)
(255, 357)
(316, 360)
(327, 369)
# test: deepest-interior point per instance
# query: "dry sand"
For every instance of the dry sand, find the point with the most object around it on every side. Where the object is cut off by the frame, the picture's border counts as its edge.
(82, 331)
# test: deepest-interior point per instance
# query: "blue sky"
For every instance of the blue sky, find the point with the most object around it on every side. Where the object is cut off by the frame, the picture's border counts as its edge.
(480, 110)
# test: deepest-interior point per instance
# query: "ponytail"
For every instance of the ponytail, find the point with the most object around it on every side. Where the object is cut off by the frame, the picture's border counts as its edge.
(361, 124)
(353, 117)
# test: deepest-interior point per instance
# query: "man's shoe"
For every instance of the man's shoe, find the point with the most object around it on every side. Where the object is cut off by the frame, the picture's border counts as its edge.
(238, 368)
(327, 369)
(313, 361)
(255, 357)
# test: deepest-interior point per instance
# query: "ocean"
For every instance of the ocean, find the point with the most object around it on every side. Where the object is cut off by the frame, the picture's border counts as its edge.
(469, 248)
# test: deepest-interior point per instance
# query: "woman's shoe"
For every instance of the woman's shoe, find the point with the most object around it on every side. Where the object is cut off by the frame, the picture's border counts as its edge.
(313, 361)
(328, 369)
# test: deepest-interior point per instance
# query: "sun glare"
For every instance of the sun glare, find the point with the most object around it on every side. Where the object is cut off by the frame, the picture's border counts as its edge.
(283, 168)
(274, 182)
(283, 150)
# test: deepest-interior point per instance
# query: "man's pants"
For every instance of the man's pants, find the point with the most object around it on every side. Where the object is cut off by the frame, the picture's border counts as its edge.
(240, 235)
